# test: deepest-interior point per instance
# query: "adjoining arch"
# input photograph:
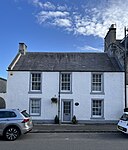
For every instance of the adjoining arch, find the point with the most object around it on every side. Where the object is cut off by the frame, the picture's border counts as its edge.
(2, 103)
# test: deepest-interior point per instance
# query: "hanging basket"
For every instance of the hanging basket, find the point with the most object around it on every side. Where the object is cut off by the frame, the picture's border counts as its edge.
(54, 100)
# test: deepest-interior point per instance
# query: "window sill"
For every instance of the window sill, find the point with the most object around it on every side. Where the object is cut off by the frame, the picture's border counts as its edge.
(97, 93)
(97, 118)
(66, 92)
(34, 92)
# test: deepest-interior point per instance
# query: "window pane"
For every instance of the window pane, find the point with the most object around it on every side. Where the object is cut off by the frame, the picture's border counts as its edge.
(97, 82)
(25, 113)
(35, 106)
(65, 82)
(67, 107)
(7, 114)
(97, 108)
(36, 81)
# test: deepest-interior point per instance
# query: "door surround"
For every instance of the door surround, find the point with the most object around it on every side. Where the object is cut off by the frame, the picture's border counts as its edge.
(62, 110)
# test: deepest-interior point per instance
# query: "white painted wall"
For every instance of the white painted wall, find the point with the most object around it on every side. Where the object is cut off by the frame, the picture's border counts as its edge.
(113, 95)
(18, 94)
(17, 90)
(114, 99)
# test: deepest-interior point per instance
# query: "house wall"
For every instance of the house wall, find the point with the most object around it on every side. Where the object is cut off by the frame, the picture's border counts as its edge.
(114, 95)
(18, 94)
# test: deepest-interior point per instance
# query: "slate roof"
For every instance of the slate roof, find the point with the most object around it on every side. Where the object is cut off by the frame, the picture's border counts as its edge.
(3, 83)
(69, 61)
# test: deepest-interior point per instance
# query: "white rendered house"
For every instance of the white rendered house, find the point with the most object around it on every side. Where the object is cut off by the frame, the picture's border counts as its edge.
(87, 85)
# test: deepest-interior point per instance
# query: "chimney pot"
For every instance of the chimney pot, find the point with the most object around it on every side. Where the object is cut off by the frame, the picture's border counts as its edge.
(113, 26)
(22, 48)
(110, 37)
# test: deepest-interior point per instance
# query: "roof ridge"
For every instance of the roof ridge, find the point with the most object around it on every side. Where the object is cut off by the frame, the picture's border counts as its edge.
(69, 52)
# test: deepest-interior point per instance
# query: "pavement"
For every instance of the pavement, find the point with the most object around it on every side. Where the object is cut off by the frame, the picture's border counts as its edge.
(77, 128)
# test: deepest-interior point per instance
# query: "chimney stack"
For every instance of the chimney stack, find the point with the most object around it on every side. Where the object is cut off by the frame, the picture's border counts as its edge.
(22, 48)
(110, 37)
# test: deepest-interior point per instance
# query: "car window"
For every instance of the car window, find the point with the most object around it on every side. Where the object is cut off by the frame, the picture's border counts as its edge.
(124, 117)
(25, 113)
(7, 114)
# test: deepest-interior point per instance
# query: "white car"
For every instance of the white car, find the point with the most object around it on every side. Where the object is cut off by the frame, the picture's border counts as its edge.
(123, 123)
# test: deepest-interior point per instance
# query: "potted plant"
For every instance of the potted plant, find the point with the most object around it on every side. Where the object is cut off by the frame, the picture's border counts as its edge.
(74, 120)
(54, 100)
(56, 120)
(126, 109)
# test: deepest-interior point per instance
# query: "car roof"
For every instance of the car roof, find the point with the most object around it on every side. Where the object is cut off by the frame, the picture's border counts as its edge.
(8, 109)
(126, 113)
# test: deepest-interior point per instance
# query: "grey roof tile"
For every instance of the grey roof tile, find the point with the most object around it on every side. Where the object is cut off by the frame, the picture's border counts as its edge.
(69, 61)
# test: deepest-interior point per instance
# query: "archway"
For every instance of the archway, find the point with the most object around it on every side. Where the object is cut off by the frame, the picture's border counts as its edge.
(2, 103)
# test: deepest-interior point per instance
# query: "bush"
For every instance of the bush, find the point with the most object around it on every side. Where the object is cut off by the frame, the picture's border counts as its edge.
(74, 120)
(56, 120)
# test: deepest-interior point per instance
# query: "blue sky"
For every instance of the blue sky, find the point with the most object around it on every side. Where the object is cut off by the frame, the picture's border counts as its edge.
(57, 25)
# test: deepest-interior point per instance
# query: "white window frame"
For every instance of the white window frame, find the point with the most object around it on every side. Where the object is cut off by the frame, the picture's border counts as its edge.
(97, 83)
(99, 107)
(37, 81)
(66, 82)
(31, 101)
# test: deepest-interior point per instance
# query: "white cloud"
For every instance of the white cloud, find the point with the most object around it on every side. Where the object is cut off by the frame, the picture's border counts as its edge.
(49, 5)
(117, 13)
(37, 3)
(51, 16)
(89, 48)
(62, 22)
(100, 20)
(56, 15)
(62, 8)
(46, 5)
(84, 20)
(53, 13)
